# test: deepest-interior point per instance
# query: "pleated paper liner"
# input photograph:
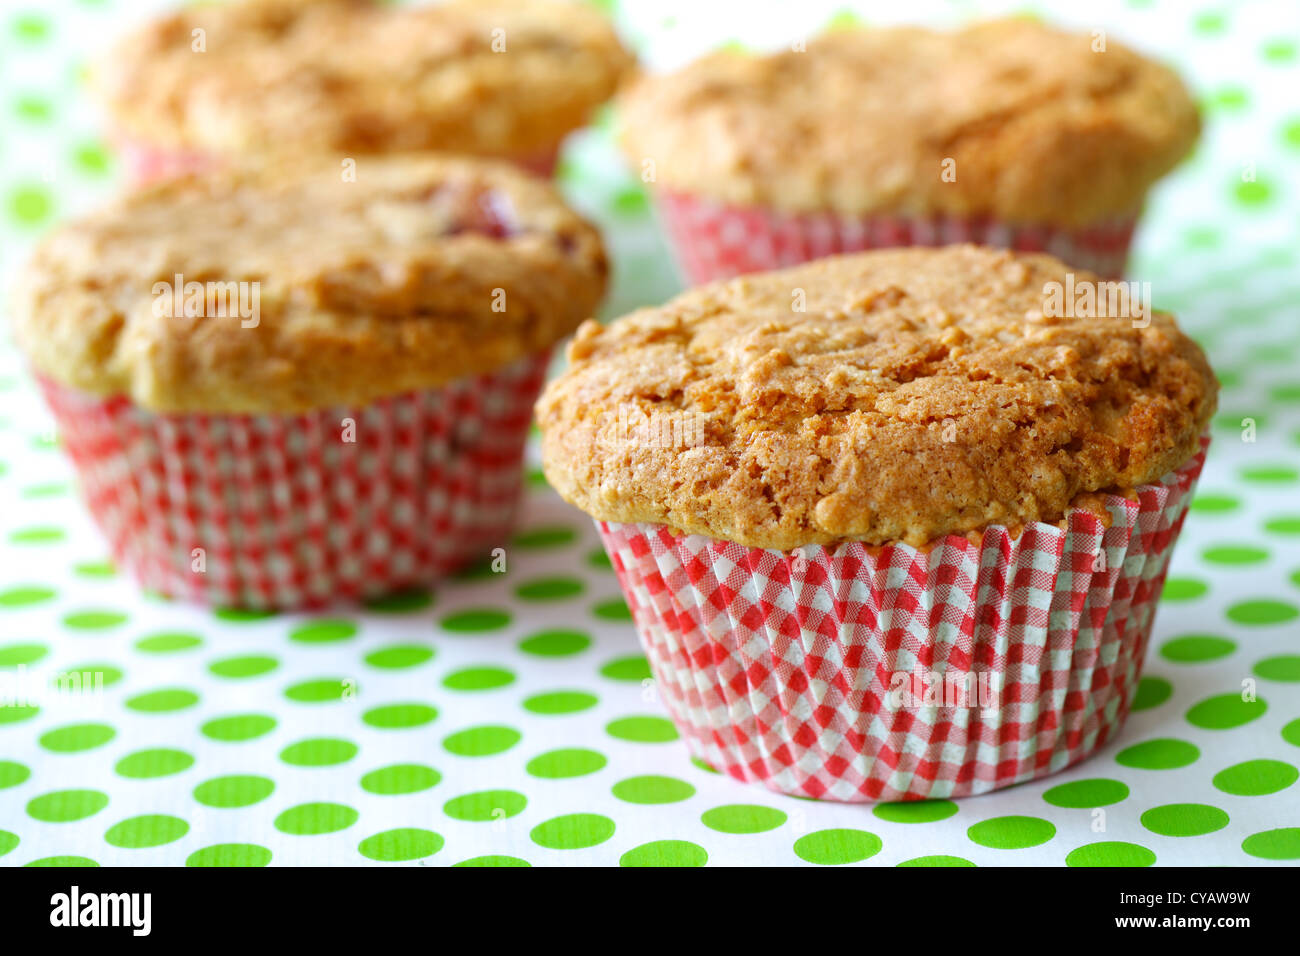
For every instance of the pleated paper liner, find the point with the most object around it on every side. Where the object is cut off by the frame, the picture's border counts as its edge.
(860, 674)
(271, 511)
(716, 241)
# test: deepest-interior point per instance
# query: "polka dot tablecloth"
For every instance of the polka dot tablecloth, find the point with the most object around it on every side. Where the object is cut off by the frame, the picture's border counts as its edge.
(509, 718)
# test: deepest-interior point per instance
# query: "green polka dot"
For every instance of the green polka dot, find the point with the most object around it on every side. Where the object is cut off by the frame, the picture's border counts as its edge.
(1209, 22)
(1256, 778)
(94, 569)
(324, 632)
(1252, 194)
(12, 773)
(241, 615)
(1291, 732)
(238, 727)
(400, 778)
(76, 738)
(915, 811)
(1086, 794)
(480, 570)
(633, 669)
(399, 716)
(13, 713)
(1280, 844)
(168, 643)
(1262, 612)
(1211, 504)
(230, 854)
(164, 701)
(1291, 133)
(93, 620)
(1151, 692)
(8, 841)
(549, 589)
(404, 843)
(91, 158)
(1011, 832)
(233, 791)
(1162, 753)
(599, 560)
(665, 853)
(651, 789)
(38, 535)
(140, 833)
(1283, 667)
(478, 678)
(63, 861)
(1184, 819)
(474, 620)
(642, 730)
(485, 805)
(153, 762)
(14, 655)
(66, 806)
(743, 818)
(1196, 648)
(399, 656)
(1183, 589)
(484, 741)
(612, 610)
(315, 819)
(1225, 712)
(565, 763)
(560, 702)
(401, 602)
(24, 596)
(493, 861)
(30, 205)
(319, 752)
(551, 536)
(1270, 474)
(1234, 554)
(573, 831)
(1110, 853)
(536, 477)
(557, 643)
(322, 690)
(1283, 524)
(85, 678)
(236, 668)
(836, 847)
(937, 861)
(30, 28)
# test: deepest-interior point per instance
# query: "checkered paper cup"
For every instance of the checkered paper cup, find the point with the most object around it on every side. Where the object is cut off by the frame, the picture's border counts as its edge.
(717, 241)
(267, 511)
(860, 674)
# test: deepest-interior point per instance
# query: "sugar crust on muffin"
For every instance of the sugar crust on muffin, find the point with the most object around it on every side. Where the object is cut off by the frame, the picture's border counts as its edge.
(423, 270)
(362, 76)
(920, 393)
(1035, 124)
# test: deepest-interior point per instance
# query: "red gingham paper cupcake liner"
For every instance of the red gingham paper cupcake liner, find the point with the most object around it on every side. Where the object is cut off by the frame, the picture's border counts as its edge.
(268, 511)
(860, 674)
(717, 241)
(146, 163)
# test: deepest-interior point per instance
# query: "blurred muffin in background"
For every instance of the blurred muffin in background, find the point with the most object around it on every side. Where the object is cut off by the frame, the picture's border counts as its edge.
(286, 386)
(500, 78)
(1005, 133)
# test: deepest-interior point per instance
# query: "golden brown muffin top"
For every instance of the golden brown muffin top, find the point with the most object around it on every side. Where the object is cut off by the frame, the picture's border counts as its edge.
(896, 395)
(399, 273)
(1035, 125)
(360, 76)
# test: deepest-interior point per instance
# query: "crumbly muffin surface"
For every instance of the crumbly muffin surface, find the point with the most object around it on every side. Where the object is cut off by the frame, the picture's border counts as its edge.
(919, 393)
(397, 274)
(1006, 118)
(487, 77)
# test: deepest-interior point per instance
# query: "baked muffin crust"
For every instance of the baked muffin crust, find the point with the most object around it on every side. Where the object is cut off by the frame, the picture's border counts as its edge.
(922, 392)
(423, 270)
(362, 76)
(1040, 128)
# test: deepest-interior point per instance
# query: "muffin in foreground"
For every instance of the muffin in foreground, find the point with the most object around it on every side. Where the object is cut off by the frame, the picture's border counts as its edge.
(889, 525)
(283, 385)
(1006, 133)
(499, 78)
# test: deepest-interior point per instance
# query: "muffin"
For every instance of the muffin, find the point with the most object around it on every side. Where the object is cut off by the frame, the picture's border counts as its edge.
(889, 525)
(498, 78)
(1006, 133)
(281, 385)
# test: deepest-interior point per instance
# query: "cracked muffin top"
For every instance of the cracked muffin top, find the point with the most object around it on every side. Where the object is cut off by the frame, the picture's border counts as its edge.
(296, 286)
(897, 395)
(1036, 125)
(488, 77)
